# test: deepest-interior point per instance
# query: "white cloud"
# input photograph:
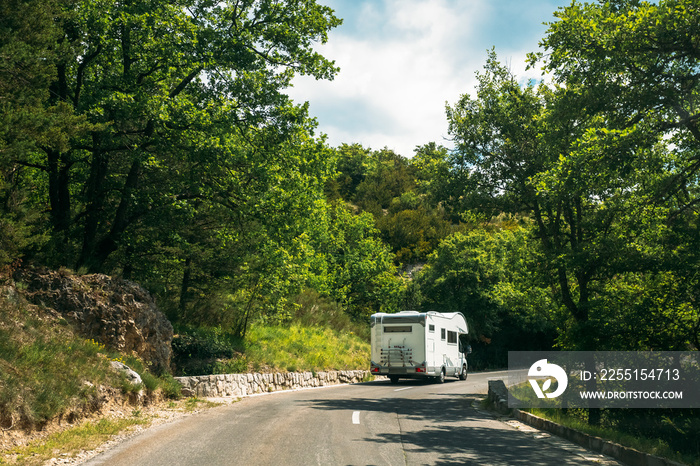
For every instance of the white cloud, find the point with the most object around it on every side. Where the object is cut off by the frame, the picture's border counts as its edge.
(400, 61)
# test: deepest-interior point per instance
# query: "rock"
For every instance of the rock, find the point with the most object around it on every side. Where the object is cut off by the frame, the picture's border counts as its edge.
(132, 376)
(116, 312)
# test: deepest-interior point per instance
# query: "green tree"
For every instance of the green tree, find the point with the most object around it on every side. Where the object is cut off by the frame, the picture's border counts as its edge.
(444, 178)
(634, 61)
(493, 275)
(539, 150)
(354, 162)
(389, 176)
(396, 191)
(413, 232)
(634, 66)
(172, 91)
(227, 260)
(28, 34)
(360, 266)
(432, 169)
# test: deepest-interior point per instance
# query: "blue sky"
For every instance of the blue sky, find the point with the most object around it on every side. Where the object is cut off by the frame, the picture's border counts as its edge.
(402, 60)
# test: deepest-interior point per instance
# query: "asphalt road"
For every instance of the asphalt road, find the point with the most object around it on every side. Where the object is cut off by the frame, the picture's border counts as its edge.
(370, 423)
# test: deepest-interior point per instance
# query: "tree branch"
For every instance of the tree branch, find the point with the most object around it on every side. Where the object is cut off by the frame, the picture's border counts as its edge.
(81, 72)
(183, 84)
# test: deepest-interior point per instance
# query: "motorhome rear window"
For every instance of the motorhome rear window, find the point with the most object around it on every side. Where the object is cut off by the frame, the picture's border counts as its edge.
(403, 319)
(398, 329)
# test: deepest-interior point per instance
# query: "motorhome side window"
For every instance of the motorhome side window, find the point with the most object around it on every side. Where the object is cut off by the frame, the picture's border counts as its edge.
(431, 328)
(398, 329)
(452, 337)
(442, 333)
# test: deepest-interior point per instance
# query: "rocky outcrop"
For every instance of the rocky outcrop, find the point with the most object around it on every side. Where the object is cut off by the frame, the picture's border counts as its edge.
(235, 385)
(115, 312)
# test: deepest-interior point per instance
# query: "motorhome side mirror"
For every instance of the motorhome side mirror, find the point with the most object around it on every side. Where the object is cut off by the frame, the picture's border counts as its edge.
(469, 349)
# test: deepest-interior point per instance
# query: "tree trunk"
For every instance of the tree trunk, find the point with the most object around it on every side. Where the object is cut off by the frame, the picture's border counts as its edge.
(94, 210)
(121, 220)
(59, 192)
(185, 287)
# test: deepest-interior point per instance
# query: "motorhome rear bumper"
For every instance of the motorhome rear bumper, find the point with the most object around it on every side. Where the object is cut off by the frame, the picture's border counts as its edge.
(411, 372)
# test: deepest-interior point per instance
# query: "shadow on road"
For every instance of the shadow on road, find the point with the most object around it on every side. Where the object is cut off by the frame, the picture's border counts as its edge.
(449, 426)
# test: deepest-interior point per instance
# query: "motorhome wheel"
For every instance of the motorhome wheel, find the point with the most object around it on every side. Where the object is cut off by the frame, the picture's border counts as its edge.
(441, 377)
(463, 374)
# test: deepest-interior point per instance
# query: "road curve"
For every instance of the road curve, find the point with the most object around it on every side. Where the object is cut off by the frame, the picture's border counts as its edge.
(377, 422)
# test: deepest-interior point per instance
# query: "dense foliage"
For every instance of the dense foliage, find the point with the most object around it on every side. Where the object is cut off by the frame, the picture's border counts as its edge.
(154, 140)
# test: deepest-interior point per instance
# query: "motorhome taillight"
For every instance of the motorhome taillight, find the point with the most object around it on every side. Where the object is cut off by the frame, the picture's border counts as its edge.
(420, 369)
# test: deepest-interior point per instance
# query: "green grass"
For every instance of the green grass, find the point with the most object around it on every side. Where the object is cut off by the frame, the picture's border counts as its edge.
(316, 335)
(69, 442)
(319, 336)
(310, 342)
(669, 433)
(295, 348)
(271, 348)
(47, 371)
(194, 403)
(312, 310)
(89, 435)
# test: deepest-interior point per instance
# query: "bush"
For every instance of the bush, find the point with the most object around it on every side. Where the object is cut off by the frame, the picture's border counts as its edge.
(204, 343)
(310, 309)
(198, 351)
(171, 387)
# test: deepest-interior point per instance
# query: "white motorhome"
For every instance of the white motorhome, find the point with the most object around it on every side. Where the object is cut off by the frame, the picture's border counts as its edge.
(414, 345)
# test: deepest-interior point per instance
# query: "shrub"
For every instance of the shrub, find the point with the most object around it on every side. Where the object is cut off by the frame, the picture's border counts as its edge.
(171, 387)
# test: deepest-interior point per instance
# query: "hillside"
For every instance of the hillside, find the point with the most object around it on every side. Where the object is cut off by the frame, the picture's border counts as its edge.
(115, 312)
(59, 338)
(61, 333)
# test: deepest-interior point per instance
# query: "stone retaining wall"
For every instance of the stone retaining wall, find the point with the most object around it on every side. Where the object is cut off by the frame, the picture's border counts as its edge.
(233, 385)
(498, 395)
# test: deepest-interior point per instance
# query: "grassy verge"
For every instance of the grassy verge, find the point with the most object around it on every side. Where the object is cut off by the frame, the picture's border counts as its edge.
(295, 348)
(47, 372)
(69, 442)
(318, 335)
(669, 433)
(89, 435)
(269, 348)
